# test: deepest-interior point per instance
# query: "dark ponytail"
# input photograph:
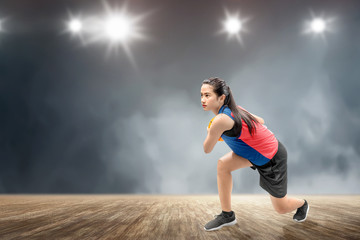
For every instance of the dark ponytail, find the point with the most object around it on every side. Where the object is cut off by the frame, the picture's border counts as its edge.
(220, 88)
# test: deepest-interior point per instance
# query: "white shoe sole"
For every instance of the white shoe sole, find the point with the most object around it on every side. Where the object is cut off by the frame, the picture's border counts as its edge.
(305, 215)
(224, 225)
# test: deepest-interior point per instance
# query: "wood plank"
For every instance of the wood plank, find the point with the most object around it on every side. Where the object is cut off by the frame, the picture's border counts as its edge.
(171, 217)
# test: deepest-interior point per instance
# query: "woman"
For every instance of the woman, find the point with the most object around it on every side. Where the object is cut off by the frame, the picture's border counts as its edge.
(252, 145)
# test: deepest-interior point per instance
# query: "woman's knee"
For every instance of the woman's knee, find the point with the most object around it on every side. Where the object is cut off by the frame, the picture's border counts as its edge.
(221, 167)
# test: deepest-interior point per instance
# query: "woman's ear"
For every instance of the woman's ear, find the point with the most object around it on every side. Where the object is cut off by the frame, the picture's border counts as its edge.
(223, 97)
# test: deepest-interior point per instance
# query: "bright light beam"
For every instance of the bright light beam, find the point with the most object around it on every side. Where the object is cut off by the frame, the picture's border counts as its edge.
(2, 25)
(233, 25)
(75, 25)
(118, 28)
(318, 25)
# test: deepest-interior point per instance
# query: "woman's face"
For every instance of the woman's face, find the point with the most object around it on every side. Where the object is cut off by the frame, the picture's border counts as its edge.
(209, 99)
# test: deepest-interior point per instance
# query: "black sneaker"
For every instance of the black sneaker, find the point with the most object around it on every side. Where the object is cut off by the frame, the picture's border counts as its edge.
(220, 221)
(301, 213)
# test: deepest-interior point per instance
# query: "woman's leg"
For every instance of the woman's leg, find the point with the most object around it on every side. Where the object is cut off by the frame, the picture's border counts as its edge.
(226, 164)
(286, 204)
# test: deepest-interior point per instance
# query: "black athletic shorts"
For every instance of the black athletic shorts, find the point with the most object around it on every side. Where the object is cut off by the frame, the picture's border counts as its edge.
(273, 175)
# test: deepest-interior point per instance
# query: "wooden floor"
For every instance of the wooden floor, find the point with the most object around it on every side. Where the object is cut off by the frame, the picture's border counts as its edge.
(171, 217)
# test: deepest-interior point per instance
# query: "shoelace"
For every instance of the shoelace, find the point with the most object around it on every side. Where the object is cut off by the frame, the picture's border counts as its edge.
(215, 216)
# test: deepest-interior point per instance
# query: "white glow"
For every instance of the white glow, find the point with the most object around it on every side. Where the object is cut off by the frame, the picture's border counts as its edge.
(318, 25)
(75, 26)
(118, 28)
(233, 25)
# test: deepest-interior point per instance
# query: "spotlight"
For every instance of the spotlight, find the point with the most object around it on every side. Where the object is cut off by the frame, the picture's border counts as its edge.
(318, 25)
(233, 25)
(75, 26)
(118, 28)
(1, 25)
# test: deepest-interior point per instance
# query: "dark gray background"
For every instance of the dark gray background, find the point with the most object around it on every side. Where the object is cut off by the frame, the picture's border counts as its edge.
(75, 119)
